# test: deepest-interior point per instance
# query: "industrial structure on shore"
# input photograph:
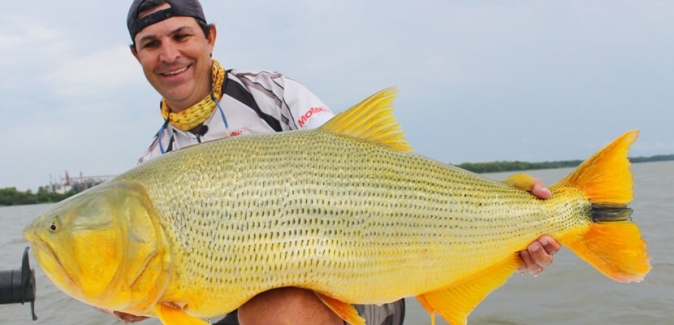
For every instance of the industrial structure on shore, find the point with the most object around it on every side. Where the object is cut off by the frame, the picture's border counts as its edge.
(63, 184)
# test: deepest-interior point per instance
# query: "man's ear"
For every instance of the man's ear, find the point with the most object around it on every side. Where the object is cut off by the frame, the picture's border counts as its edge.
(212, 36)
(132, 47)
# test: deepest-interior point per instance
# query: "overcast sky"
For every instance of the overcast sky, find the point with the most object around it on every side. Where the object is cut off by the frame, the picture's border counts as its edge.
(478, 80)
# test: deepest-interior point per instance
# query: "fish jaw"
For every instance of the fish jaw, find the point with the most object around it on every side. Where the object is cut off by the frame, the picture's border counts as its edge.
(47, 258)
(72, 243)
(99, 245)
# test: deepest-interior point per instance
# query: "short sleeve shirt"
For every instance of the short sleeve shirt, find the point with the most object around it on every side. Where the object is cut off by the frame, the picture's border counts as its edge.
(252, 102)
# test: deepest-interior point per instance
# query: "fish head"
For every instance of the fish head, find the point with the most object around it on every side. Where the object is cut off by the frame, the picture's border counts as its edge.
(97, 245)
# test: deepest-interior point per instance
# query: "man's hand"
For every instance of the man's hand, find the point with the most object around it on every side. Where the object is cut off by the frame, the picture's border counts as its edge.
(539, 253)
(540, 190)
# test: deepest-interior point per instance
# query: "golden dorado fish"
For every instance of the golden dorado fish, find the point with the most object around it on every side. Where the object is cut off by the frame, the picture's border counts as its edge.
(346, 210)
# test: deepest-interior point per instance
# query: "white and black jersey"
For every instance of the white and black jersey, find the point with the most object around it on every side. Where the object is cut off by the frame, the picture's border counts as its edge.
(251, 103)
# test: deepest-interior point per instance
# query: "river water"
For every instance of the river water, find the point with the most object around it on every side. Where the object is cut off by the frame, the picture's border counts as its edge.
(568, 292)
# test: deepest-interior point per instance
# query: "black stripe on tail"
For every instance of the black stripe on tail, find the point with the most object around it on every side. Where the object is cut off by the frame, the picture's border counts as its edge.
(606, 213)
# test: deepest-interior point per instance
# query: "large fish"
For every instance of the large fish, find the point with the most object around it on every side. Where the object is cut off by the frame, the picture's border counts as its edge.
(345, 210)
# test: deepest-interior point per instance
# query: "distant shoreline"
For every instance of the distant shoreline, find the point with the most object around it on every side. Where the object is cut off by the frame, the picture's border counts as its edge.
(509, 166)
(10, 196)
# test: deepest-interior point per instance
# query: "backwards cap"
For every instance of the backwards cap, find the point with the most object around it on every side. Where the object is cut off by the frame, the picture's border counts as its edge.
(185, 8)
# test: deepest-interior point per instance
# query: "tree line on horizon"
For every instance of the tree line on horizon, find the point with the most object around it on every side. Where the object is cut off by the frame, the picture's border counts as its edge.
(10, 196)
(508, 166)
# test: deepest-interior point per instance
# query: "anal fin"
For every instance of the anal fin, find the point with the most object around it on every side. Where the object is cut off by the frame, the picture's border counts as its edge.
(456, 302)
(173, 315)
(345, 311)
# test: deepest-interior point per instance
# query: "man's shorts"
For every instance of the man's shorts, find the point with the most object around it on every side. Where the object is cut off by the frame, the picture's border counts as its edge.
(387, 314)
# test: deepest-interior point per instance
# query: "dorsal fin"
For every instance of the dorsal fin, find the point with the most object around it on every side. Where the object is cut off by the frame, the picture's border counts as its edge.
(371, 120)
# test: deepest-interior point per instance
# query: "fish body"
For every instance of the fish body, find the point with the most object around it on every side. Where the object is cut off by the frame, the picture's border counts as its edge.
(346, 210)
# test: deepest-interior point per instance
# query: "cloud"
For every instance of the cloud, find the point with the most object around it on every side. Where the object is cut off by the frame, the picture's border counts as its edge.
(67, 101)
(94, 74)
(24, 44)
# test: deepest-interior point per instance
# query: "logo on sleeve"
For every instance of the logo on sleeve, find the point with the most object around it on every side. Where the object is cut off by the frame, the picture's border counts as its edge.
(313, 111)
(243, 130)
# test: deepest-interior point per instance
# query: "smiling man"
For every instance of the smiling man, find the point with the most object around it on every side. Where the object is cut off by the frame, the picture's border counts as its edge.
(202, 101)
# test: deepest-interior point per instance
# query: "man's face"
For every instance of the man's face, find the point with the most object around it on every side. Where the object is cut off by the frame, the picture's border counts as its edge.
(175, 55)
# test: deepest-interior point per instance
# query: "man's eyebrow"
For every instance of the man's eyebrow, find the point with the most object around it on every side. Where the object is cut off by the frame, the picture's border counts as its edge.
(181, 29)
(173, 32)
(147, 38)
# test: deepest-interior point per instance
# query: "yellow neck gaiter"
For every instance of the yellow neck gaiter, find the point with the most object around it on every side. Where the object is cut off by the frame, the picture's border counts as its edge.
(194, 115)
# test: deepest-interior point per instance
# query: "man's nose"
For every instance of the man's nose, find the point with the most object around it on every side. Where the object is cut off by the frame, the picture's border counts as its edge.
(169, 52)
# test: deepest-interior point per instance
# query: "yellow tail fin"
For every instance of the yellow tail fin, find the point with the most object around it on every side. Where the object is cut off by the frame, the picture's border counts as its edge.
(615, 249)
(605, 177)
(612, 243)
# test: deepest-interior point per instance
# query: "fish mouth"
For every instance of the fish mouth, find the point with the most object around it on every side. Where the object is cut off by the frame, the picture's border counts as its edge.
(29, 234)
(49, 260)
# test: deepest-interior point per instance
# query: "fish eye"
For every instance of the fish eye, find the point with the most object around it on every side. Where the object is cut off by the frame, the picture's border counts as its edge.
(54, 225)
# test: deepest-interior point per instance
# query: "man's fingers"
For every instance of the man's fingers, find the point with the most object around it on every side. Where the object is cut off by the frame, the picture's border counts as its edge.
(523, 267)
(540, 190)
(539, 256)
(549, 244)
(529, 263)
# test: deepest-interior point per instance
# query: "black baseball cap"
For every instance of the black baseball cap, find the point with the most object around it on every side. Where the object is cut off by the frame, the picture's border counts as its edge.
(185, 8)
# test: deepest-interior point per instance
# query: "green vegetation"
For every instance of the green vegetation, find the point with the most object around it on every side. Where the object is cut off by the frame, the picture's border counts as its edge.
(653, 158)
(10, 196)
(507, 166)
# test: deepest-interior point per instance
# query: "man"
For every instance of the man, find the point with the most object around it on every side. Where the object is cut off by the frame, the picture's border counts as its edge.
(201, 102)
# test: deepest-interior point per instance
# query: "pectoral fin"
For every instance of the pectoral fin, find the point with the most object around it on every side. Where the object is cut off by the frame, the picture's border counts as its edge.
(173, 315)
(344, 310)
(456, 302)
(522, 181)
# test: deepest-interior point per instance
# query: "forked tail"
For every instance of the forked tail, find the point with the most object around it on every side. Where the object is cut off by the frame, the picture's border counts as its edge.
(612, 243)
